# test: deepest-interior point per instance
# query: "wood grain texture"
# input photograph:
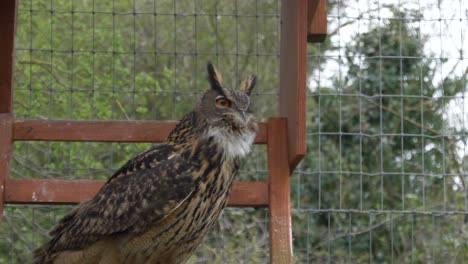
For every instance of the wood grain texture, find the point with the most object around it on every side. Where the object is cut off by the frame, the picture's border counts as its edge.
(6, 148)
(7, 48)
(317, 21)
(280, 205)
(102, 131)
(293, 70)
(45, 191)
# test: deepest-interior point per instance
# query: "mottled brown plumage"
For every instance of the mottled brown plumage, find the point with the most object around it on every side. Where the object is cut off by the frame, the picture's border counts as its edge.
(158, 207)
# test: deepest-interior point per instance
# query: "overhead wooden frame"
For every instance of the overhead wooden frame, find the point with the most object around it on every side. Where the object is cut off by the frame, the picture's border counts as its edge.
(293, 51)
(317, 21)
(302, 21)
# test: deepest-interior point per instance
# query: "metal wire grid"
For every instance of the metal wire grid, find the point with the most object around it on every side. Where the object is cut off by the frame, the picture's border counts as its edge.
(385, 178)
(179, 35)
(135, 60)
(345, 209)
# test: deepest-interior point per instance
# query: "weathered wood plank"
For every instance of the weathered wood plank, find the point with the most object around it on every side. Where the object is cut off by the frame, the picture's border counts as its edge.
(293, 71)
(280, 204)
(45, 191)
(7, 48)
(317, 21)
(102, 131)
(6, 148)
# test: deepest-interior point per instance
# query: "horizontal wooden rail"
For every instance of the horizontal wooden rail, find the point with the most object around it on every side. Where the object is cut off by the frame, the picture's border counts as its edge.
(31, 191)
(102, 131)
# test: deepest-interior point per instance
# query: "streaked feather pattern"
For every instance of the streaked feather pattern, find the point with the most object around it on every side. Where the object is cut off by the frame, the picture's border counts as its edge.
(158, 206)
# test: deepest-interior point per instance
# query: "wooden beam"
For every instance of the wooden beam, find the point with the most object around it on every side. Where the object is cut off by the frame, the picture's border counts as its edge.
(7, 48)
(102, 131)
(6, 149)
(293, 70)
(317, 21)
(44, 191)
(280, 204)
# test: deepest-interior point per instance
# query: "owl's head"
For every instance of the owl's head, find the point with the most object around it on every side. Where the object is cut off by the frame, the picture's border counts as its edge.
(221, 106)
(228, 113)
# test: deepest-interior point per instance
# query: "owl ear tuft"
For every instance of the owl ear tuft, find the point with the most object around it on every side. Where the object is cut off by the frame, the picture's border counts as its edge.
(248, 85)
(214, 77)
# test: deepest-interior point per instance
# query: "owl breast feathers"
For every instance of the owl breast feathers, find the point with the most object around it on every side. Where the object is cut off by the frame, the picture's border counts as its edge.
(158, 206)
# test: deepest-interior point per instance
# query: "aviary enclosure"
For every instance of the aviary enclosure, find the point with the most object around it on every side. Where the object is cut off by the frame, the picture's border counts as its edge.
(371, 169)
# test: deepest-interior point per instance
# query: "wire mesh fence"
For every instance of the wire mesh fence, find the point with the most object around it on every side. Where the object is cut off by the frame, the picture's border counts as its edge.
(384, 178)
(135, 60)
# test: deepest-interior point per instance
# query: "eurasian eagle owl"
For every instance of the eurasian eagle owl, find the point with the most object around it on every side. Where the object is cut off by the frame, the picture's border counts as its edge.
(158, 207)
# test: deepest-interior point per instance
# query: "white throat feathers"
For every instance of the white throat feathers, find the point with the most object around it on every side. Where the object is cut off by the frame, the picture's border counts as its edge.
(234, 145)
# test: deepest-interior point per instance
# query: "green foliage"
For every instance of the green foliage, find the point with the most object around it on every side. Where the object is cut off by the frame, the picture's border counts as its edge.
(380, 149)
(131, 60)
(383, 144)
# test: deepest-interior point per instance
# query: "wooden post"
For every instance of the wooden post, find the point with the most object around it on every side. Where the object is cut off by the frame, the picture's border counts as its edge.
(280, 206)
(293, 71)
(7, 48)
(6, 148)
(317, 21)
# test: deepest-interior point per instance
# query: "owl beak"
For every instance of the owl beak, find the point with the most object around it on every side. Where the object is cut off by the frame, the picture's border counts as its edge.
(244, 116)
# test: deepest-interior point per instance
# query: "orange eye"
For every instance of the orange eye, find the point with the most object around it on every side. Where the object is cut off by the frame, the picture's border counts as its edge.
(223, 102)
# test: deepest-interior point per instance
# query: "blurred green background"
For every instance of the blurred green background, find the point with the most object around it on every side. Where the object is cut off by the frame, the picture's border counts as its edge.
(384, 179)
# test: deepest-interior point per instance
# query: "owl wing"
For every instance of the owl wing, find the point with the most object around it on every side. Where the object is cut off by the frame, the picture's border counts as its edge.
(128, 203)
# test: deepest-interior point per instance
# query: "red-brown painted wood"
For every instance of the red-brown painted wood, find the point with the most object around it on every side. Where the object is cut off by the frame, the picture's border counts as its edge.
(280, 204)
(317, 21)
(6, 148)
(30, 191)
(293, 76)
(102, 131)
(7, 48)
